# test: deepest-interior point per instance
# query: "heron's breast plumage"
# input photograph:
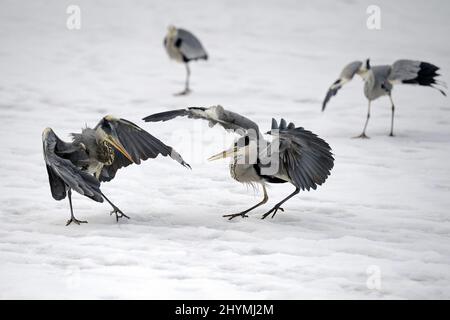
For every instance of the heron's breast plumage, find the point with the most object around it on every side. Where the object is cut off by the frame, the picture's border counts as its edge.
(105, 153)
(172, 50)
(377, 85)
(102, 156)
(244, 173)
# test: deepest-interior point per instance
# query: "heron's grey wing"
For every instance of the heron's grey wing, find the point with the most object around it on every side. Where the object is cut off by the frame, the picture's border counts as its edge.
(332, 91)
(405, 70)
(140, 144)
(415, 72)
(306, 158)
(214, 115)
(62, 172)
(190, 46)
(347, 75)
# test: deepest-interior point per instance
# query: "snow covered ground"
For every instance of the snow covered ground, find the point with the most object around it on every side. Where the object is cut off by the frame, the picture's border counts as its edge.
(385, 208)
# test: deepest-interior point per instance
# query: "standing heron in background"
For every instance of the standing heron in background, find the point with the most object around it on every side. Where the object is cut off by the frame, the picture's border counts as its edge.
(379, 81)
(95, 155)
(295, 155)
(183, 46)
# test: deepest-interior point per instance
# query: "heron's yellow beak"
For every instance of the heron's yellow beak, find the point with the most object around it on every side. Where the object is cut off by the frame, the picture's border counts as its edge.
(224, 154)
(116, 144)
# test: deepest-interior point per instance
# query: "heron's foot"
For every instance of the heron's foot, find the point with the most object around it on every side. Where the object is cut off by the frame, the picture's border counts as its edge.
(119, 213)
(74, 220)
(234, 215)
(273, 211)
(183, 93)
(362, 136)
(391, 135)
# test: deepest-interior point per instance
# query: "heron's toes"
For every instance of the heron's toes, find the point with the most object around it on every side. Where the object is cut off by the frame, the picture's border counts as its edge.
(234, 215)
(273, 211)
(119, 214)
(266, 214)
(362, 136)
(276, 210)
(74, 220)
(183, 93)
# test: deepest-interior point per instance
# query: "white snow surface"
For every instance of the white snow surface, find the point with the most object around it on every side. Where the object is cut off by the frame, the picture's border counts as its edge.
(386, 203)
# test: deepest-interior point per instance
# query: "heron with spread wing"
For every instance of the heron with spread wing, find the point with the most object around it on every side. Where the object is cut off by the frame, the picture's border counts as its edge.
(380, 80)
(182, 46)
(294, 155)
(95, 155)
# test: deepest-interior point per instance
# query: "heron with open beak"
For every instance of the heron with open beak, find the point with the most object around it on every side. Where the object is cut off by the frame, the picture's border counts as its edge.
(95, 155)
(294, 155)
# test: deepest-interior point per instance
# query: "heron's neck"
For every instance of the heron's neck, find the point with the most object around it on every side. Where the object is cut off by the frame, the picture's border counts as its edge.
(364, 74)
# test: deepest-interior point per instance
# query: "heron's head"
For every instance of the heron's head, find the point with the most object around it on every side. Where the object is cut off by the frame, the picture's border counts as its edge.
(244, 149)
(171, 30)
(108, 134)
(364, 69)
(366, 66)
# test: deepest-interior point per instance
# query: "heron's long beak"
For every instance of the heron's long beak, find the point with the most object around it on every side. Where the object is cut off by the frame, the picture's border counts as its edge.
(224, 154)
(116, 144)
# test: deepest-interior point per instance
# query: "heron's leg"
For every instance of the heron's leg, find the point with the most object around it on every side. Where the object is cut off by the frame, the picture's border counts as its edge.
(72, 217)
(392, 116)
(188, 75)
(243, 214)
(278, 205)
(186, 84)
(117, 211)
(363, 134)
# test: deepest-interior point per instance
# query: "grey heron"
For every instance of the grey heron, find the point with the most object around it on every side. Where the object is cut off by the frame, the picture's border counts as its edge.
(301, 157)
(379, 81)
(182, 46)
(95, 155)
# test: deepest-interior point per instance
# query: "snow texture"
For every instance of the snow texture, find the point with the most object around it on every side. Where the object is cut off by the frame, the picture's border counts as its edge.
(385, 207)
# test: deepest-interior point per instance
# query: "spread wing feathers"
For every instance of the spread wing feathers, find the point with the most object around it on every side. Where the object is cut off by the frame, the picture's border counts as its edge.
(416, 72)
(190, 47)
(214, 115)
(332, 91)
(306, 158)
(283, 125)
(62, 172)
(140, 144)
(347, 75)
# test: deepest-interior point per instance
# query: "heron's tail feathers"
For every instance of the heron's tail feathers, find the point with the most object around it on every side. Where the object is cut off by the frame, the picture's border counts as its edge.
(426, 76)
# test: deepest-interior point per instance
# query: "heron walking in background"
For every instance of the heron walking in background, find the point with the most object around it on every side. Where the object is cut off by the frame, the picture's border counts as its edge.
(379, 81)
(302, 158)
(183, 46)
(95, 155)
